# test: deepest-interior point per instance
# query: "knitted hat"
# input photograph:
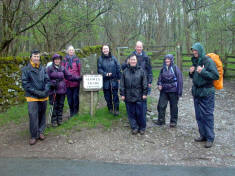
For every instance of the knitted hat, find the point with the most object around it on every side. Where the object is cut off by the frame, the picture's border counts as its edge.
(56, 56)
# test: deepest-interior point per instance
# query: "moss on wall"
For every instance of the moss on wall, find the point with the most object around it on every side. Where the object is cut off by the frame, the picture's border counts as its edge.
(11, 92)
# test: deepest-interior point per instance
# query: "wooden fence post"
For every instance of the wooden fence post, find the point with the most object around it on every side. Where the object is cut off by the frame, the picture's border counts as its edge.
(118, 54)
(178, 56)
(225, 61)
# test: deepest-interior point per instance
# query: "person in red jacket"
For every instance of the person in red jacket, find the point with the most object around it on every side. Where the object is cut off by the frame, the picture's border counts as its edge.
(73, 65)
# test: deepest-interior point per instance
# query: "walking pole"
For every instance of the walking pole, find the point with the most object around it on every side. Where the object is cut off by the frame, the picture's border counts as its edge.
(112, 94)
(51, 108)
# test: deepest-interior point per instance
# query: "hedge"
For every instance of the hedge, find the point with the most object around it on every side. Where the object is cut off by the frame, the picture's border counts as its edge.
(11, 92)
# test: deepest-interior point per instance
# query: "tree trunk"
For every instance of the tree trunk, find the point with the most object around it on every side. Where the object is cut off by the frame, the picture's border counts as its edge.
(233, 42)
(187, 29)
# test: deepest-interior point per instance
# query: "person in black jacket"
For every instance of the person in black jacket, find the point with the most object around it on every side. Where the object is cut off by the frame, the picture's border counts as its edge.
(144, 62)
(109, 67)
(36, 84)
(134, 90)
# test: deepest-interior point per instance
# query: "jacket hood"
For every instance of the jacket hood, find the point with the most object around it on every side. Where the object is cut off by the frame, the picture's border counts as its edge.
(168, 56)
(199, 48)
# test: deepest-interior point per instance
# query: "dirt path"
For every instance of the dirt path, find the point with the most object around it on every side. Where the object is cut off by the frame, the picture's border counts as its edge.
(160, 145)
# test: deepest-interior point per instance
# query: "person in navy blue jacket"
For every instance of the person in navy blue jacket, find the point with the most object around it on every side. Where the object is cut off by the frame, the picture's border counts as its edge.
(109, 67)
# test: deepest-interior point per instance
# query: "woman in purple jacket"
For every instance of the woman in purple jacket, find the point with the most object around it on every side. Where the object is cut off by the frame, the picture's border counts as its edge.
(58, 75)
(73, 65)
(170, 84)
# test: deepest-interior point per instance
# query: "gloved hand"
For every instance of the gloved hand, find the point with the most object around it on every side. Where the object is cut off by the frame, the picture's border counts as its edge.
(53, 86)
(79, 78)
(40, 94)
(46, 93)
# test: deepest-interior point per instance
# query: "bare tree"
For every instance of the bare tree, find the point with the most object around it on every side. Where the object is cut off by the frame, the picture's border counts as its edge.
(14, 22)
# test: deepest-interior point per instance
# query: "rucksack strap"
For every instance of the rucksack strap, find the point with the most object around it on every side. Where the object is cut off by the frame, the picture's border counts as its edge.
(173, 69)
(77, 62)
(66, 61)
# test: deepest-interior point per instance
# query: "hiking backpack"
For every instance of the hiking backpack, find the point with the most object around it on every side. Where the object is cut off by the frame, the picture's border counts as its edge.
(218, 84)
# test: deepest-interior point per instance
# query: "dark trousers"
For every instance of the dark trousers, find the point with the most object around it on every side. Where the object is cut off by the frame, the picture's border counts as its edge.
(136, 115)
(37, 118)
(73, 100)
(111, 98)
(172, 97)
(58, 107)
(204, 109)
(145, 103)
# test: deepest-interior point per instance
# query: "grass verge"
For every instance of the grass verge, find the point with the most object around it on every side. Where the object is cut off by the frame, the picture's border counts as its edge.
(102, 118)
(16, 114)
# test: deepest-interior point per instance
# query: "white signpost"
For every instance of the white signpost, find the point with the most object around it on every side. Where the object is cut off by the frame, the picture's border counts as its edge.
(92, 82)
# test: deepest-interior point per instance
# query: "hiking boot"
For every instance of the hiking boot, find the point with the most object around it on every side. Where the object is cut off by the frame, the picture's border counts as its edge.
(173, 124)
(142, 132)
(160, 123)
(59, 123)
(208, 144)
(32, 141)
(200, 139)
(116, 113)
(42, 137)
(110, 111)
(134, 131)
(54, 124)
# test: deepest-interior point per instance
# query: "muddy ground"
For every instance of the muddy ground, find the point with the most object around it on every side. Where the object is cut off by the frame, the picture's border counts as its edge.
(160, 145)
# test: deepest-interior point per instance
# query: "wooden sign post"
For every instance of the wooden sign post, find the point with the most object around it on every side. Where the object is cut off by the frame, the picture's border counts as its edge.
(92, 83)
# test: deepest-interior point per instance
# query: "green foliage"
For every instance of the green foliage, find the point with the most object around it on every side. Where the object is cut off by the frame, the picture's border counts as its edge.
(88, 50)
(156, 73)
(15, 114)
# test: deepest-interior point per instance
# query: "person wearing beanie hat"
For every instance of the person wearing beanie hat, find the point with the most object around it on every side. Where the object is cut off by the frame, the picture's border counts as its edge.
(36, 84)
(58, 74)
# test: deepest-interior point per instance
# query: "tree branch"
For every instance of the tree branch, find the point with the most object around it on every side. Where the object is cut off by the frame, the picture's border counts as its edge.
(40, 19)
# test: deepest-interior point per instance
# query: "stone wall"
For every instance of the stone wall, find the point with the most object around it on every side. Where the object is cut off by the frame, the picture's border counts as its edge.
(11, 92)
(89, 65)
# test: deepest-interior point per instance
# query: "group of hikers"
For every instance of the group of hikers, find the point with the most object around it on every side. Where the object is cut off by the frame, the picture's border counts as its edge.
(134, 82)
